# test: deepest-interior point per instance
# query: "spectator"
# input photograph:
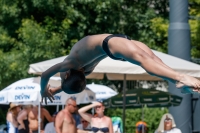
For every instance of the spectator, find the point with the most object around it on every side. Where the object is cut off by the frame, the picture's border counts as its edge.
(100, 122)
(33, 119)
(50, 127)
(11, 118)
(22, 119)
(167, 125)
(65, 123)
(85, 125)
(141, 127)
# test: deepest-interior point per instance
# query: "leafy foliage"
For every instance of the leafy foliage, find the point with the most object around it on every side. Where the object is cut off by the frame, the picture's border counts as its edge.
(195, 27)
(37, 30)
(3, 113)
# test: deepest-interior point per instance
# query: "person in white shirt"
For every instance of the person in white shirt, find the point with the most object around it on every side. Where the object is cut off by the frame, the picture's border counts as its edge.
(85, 125)
(50, 127)
(167, 125)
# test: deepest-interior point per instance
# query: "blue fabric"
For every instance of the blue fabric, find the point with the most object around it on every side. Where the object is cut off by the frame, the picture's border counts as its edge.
(77, 118)
(104, 129)
(118, 121)
(11, 128)
(140, 127)
(55, 113)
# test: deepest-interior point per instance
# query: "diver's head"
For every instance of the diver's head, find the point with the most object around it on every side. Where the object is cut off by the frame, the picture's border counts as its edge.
(73, 81)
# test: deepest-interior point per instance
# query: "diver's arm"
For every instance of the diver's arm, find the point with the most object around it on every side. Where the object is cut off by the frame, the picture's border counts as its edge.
(60, 67)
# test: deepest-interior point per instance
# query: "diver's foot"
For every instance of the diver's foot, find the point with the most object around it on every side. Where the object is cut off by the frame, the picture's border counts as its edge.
(188, 84)
(187, 81)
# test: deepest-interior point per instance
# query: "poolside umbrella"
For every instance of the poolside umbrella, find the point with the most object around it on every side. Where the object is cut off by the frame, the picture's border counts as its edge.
(102, 92)
(139, 97)
(27, 91)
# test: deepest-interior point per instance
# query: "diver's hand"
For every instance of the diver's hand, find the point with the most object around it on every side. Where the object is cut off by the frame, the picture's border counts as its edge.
(47, 94)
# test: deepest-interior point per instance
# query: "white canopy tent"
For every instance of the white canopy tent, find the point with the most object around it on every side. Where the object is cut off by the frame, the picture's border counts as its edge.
(115, 70)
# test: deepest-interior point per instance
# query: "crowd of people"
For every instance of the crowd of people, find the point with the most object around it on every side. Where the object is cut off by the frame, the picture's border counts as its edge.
(24, 119)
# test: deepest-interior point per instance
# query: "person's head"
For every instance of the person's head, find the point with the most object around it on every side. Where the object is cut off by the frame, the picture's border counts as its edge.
(100, 109)
(71, 105)
(35, 106)
(73, 81)
(14, 109)
(166, 123)
(141, 126)
(84, 123)
(27, 107)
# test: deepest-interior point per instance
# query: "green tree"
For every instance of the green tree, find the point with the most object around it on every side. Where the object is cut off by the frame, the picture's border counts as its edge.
(159, 27)
(195, 27)
(37, 30)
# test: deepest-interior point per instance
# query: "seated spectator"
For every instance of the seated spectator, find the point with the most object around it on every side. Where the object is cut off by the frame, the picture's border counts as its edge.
(141, 127)
(50, 127)
(117, 125)
(11, 118)
(167, 125)
(85, 125)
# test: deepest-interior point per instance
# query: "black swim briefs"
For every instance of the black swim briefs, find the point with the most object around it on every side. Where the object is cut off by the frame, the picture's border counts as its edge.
(106, 48)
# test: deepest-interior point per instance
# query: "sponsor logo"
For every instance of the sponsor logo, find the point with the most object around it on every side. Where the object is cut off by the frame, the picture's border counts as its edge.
(148, 99)
(22, 97)
(73, 97)
(57, 97)
(1, 98)
(163, 98)
(54, 102)
(91, 97)
(150, 93)
(25, 87)
(101, 93)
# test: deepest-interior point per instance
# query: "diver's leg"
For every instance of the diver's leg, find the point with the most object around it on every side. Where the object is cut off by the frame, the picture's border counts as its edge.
(126, 49)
